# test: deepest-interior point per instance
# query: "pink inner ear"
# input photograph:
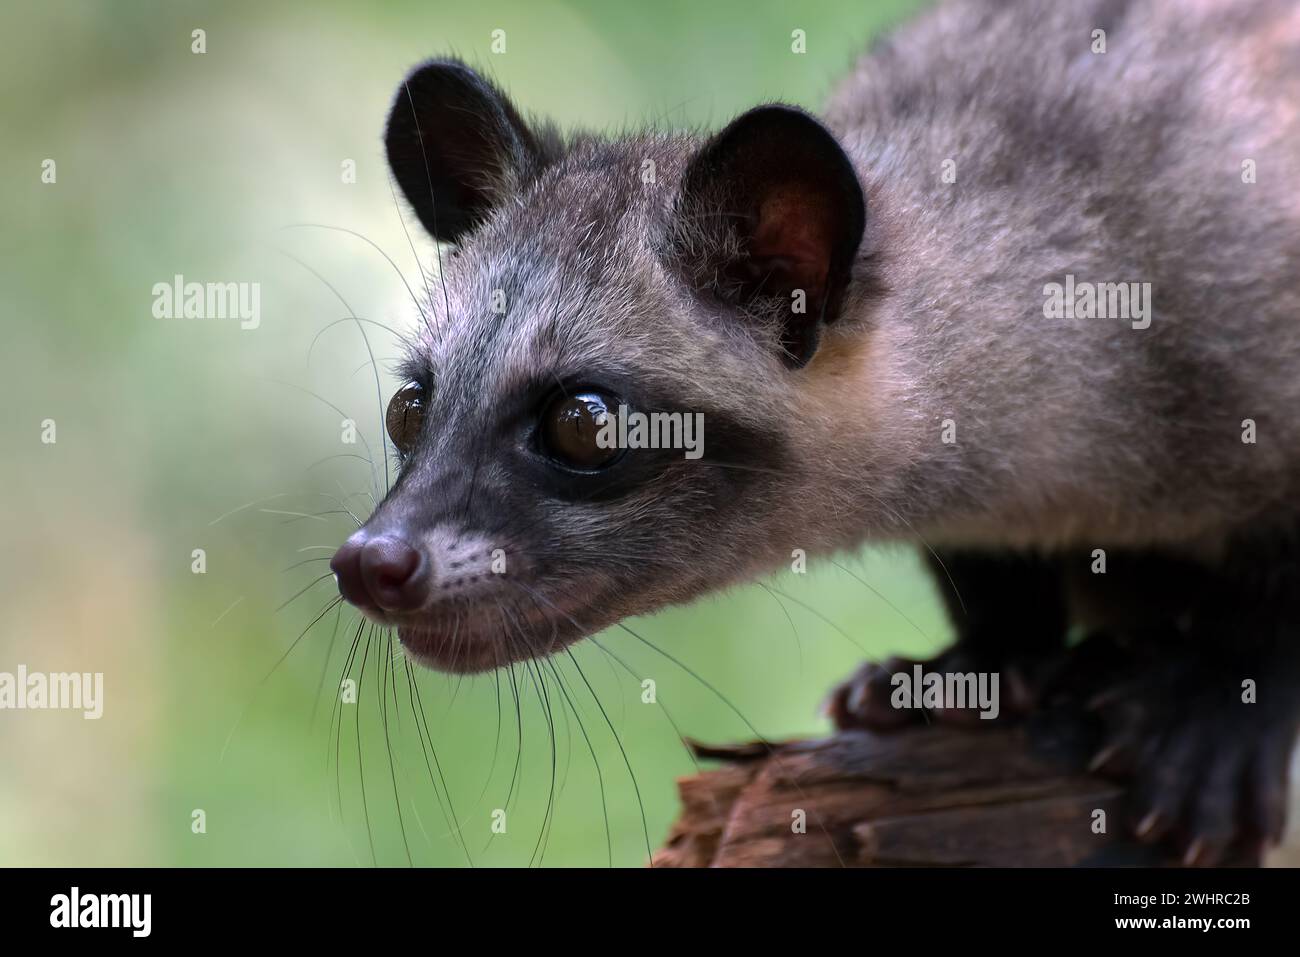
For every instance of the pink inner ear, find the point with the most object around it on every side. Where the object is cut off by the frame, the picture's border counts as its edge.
(792, 235)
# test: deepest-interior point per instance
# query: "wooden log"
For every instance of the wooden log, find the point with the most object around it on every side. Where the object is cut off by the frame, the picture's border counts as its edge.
(929, 796)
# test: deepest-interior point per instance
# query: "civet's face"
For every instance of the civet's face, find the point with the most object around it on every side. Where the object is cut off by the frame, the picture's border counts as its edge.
(602, 301)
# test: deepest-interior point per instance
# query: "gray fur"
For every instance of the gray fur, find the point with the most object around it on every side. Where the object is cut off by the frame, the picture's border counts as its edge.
(1117, 166)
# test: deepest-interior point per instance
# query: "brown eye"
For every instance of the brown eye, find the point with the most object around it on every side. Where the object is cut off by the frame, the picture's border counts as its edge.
(405, 413)
(572, 430)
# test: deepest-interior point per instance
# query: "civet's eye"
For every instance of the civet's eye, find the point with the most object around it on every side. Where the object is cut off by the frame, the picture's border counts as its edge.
(405, 413)
(571, 430)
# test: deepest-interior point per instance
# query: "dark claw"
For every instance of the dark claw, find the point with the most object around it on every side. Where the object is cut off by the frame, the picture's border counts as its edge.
(1207, 772)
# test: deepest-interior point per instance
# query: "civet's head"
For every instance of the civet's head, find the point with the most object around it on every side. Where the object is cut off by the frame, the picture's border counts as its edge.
(589, 290)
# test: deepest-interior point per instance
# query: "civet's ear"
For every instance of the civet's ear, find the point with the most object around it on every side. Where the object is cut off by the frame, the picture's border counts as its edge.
(771, 207)
(457, 147)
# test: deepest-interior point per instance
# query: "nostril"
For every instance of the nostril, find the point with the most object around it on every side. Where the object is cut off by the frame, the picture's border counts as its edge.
(392, 571)
(346, 566)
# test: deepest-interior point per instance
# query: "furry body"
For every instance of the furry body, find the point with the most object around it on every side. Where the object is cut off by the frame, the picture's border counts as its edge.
(983, 153)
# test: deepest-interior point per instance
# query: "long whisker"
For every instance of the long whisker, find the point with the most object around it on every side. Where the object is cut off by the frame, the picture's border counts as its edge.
(330, 325)
(370, 457)
(352, 313)
(376, 247)
(231, 607)
(545, 705)
(600, 777)
(325, 668)
(336, 716)
(361, 769)
(385, 669)
(496, 746)
(814, 612)
(636, 787)
(422, 725)
(539, 600)
(424, 276)
(304, 591)
(424, 719)
(258, 687)
(762, 740)
(898, 611)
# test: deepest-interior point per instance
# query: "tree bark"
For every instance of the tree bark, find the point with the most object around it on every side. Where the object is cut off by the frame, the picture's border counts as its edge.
(929, 796)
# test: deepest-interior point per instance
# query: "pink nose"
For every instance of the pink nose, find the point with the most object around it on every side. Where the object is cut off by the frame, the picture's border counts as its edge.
(384, 572)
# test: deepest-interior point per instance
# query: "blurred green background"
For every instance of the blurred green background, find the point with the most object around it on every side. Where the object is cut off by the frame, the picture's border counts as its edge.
(170, 162)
